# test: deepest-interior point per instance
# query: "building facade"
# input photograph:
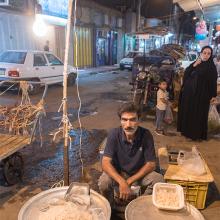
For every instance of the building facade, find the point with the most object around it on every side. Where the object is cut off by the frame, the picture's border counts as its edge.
(97, 40)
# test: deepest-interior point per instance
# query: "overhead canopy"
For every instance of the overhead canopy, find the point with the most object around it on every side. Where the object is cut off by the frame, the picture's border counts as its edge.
(153, 31)
(211, 8)
(211, 13)
(189, 5)
(174, 50)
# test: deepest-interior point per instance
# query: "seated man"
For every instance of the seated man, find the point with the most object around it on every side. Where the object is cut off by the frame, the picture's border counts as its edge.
(129, 157)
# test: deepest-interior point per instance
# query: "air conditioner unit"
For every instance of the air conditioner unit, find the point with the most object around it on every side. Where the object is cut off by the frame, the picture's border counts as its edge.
(119, 22)
(4, 2)
(106, 19)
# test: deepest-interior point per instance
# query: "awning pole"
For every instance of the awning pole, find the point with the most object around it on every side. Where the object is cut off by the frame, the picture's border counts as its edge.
(65, 104)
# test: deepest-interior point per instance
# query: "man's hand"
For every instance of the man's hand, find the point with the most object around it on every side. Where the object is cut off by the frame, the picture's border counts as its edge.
(129, 181)
(147, 168)
(213, 100)
(124, 190)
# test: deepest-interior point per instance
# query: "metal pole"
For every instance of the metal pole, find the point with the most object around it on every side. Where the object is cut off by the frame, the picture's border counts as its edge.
(138, 15)
(210, 33)
(65, 105)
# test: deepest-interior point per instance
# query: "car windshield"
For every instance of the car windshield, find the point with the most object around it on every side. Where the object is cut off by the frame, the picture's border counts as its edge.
(185, 58)
(13, 57)
(132, 54)
(192, 57)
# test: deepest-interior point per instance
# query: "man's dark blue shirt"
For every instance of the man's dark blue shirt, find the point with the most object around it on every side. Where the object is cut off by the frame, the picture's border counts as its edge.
(130, 157)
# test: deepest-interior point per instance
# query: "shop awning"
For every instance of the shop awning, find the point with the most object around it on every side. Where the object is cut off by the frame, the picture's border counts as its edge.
(153, 31)
(210, 8)
(190, 5)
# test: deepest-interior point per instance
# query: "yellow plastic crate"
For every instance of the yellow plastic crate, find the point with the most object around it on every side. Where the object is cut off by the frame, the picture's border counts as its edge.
(195, 192)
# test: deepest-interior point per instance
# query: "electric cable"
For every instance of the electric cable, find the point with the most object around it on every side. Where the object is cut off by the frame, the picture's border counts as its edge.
(7, 89)
(200, 6)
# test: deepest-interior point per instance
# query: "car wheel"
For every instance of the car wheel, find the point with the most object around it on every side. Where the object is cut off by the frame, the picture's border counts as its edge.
(13, 169)
(137, 100)
(71, 79)
(122, 68)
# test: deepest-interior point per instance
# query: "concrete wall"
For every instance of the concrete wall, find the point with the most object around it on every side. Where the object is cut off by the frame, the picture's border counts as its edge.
(120, 53)
(16, 33)
(130, 22)
(16, 29)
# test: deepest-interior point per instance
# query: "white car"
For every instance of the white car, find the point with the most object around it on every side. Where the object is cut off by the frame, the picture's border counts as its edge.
(127, 62)
(188, 59)
(31, 65)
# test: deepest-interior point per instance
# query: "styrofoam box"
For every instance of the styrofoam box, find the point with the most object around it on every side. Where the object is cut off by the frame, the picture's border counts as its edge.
(165, 191)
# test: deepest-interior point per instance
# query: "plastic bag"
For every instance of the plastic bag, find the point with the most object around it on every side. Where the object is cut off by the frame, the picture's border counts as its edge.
(191, 162)
(213, 118)
(168, 118)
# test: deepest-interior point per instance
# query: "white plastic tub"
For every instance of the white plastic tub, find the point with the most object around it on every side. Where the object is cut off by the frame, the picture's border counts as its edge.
(168, 196)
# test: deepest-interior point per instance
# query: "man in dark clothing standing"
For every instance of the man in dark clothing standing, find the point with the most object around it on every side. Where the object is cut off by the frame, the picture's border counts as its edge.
(129, 157)
(46, 47)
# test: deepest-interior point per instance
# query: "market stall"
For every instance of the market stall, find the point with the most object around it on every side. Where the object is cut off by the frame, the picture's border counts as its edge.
(191, 172)
(18, 126)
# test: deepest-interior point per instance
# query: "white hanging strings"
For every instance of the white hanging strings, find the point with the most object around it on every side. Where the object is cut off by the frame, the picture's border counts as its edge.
(77, 86)
(66, 119)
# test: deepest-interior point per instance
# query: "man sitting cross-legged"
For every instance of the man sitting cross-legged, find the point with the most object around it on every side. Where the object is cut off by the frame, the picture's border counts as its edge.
(129, 157)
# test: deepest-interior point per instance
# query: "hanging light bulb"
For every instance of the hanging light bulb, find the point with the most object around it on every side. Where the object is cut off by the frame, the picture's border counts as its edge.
(39, 26)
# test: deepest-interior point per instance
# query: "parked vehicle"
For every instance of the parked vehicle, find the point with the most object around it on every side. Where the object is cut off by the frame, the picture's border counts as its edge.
(127, 62)
(188, 59)
(142, 87)
(31, 65)
(146, 74)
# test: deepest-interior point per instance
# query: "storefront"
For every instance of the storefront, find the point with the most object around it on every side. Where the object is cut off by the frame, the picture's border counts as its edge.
(129, 43)
(142, 42)
(106, 47)
(55, 13)
(113, 45)
(101, 47)
(83, 48)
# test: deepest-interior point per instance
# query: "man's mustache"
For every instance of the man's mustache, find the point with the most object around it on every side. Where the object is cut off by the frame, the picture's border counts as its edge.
(129, 129)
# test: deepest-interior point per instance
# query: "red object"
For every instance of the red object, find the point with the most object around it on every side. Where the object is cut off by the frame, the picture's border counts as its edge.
(217, 27)
(13, 73)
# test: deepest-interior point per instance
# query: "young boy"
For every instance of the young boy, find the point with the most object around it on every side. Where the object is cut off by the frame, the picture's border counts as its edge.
(162, 101)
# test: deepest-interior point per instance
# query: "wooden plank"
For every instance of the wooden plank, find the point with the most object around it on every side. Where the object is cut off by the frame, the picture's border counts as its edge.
(8, 141)
(9, 151)
(4, 137)
(14, 143)
(12, 147)
(174, 172)
(163, 158)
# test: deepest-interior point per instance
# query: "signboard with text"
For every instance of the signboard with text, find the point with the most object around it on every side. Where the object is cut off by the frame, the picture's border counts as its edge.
(4, 2)
(58, 8)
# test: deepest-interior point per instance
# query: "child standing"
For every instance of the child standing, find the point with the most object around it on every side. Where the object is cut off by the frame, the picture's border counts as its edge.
(162, 101)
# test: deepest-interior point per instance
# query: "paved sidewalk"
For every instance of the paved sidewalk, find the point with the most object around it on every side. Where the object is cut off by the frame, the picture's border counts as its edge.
(94, 70)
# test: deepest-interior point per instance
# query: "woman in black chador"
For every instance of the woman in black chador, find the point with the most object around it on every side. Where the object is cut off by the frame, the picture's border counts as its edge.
(199, 89)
